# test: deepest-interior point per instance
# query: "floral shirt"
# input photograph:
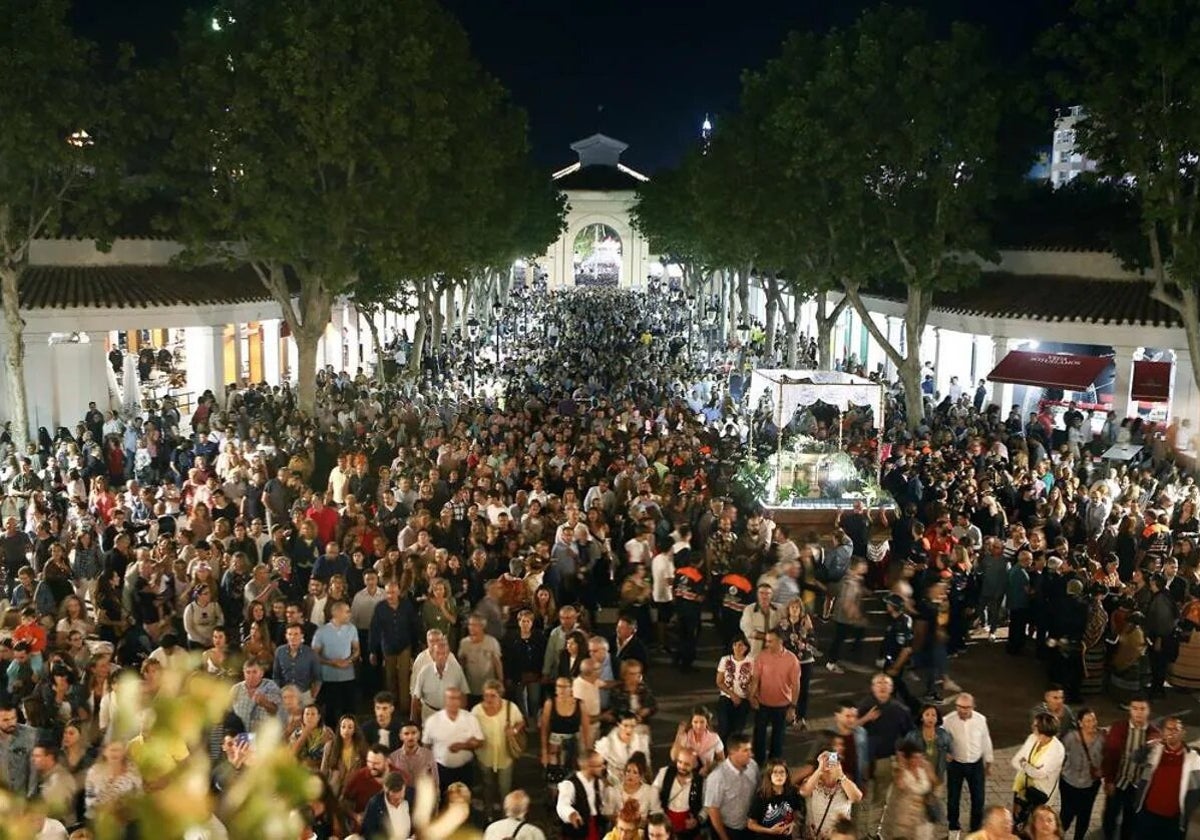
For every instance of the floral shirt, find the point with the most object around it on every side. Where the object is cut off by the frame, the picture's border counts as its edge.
(735, 675)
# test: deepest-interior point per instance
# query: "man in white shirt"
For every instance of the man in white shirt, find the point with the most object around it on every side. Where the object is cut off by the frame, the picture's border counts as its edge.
(662, 580)
(515, 823)
(453, 735)
(432, 637)
(970, 760)
(435, 679)
(681, 791)
(758, 619)
(387, 813)
(339, 479)
(581, 798)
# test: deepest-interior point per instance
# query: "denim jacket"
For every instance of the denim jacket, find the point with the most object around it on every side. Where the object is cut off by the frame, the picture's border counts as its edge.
(941, 740)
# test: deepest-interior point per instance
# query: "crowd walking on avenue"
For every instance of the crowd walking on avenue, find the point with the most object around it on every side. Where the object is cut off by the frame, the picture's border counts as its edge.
(494, 593)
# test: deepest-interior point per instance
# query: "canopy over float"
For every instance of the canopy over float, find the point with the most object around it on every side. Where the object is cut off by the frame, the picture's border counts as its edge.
(805, 473)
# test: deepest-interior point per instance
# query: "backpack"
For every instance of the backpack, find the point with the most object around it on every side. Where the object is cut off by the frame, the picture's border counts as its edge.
(835, 565)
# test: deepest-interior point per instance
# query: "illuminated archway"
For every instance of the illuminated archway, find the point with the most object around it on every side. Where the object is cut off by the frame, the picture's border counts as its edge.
(597, 256)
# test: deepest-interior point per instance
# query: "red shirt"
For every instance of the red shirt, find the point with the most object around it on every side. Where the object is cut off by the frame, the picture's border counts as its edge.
(33, 633)
(1162, 797)
(327, 522)
(359, 789)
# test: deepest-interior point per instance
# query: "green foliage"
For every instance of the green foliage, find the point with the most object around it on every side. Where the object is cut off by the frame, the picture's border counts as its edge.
(751, 482)
(328, 140)
(51, 92)
(1142, 121)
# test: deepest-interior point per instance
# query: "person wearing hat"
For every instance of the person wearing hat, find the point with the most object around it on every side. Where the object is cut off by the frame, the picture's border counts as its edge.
(897, 647)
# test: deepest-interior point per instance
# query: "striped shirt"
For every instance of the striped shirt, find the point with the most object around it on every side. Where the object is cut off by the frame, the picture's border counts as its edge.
(1127, 770)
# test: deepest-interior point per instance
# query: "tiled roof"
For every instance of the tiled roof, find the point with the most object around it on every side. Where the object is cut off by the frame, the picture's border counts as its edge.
(136, 287)
(1058, 298)
(600, 178)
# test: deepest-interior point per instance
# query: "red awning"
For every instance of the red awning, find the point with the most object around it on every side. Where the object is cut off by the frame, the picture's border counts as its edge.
(1049, 370)
(1151, 381)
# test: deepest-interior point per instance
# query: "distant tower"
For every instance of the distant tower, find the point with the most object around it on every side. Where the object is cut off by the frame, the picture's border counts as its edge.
(706, 129)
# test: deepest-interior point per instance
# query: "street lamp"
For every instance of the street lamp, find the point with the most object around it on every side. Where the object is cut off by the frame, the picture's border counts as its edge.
(497, 311)
(473, 334)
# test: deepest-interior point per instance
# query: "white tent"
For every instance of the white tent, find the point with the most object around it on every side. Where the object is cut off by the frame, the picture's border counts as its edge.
(792, 389)
(789, 390)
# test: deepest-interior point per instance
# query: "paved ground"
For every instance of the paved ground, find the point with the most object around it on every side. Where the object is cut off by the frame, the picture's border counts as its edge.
(1006, 689)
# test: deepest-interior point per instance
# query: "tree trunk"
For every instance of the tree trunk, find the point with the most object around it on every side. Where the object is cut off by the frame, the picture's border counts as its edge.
(825, 324)
(418, 344)
(468, 301)
(451, 313)
(908, 367)
(717, 279)
(793, 331)
(380, 367)
(743, 293)
(437, 319)
(773, 301)
(824, 341)
(14, 364)
(306, 374)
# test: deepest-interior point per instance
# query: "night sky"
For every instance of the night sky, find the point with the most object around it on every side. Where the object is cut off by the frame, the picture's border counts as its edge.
(644, 71)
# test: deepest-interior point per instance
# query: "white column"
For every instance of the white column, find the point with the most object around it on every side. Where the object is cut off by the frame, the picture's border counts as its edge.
(1123, 379)
(239, 359)
(937, 362)
(1185, 399)
(293, 357)
(1002, 392)
(980, 354)
(271, 354)
(205, 359)
(889, 365)
(39, 383)
(353, 338)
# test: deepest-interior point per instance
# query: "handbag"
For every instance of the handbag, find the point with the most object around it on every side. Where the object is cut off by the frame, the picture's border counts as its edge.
(1023, 806)
(516, 742)
(814, 833)
(935, 810)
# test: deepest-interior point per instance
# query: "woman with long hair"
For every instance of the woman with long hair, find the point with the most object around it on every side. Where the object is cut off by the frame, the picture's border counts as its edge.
(256, 613)
(565, 728)
(777, 805)
(796, 630)
(77, 753)
(545, 609)
(257, 643)
(634, 787)
(440, 612)
(575, 650)
(695, 733)
(111, 779)
(87, 562)
(345, 752)
(310, 743)
(72, 616)
(216, 660)
(111, 620)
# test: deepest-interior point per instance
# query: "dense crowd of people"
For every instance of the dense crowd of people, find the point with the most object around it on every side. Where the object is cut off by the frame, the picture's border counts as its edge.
(410, 584)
